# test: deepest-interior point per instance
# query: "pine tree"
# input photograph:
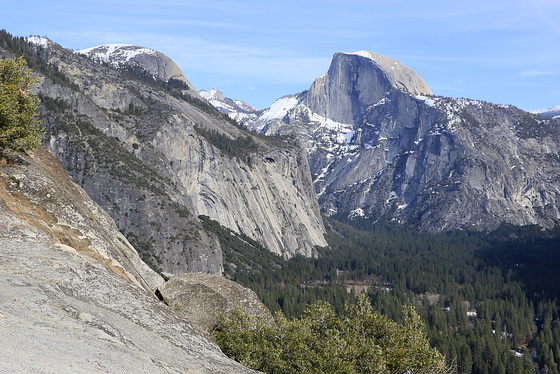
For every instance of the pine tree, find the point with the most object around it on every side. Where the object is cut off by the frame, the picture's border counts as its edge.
(19, 125)
(359, 341)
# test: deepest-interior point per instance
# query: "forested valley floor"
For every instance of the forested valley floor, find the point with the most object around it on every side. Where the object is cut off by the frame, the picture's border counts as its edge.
(489, 300)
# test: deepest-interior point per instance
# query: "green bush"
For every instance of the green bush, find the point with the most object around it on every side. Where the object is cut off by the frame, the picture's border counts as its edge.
(359, 341)
(19, 125)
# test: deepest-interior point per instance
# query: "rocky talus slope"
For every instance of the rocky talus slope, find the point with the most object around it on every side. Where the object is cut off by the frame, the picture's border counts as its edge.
(74, 295)
(156, 156)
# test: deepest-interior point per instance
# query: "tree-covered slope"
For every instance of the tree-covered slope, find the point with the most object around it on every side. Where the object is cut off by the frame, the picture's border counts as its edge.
(489, 301)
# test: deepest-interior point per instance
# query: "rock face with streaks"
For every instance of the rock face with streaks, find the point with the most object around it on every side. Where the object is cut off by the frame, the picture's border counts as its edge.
(75, 295)
(357, 80)
(380, 145)
(443, 163)
(156, 156)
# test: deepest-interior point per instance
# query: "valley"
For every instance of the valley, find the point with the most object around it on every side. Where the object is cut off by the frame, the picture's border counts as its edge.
(489, 300)
(366, 183)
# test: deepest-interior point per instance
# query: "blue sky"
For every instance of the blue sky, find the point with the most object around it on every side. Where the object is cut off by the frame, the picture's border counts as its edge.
(506, 52)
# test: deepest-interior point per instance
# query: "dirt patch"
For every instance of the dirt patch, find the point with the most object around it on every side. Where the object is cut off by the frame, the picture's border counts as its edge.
(35, 189)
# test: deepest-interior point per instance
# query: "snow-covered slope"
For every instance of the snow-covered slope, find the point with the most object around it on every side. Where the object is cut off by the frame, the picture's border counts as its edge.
(40, 41)
(155, 63)
(217, 98)
(116, 54)
(550, 113)
(236, 109)
(279, 108)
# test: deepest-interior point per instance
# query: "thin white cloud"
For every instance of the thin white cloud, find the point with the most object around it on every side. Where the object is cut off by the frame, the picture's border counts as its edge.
(536, 73)
(268, 64)
(451, 58)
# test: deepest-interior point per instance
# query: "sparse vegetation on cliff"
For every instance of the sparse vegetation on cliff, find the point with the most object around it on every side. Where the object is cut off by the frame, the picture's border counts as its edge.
(19, 47)
(241, 147)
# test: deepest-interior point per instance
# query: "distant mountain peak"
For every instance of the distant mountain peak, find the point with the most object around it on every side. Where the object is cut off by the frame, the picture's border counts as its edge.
(225, 104)
(401, 76)
(213, 94)
(156, 63)
(236, 109)
(550, 113)
(357, 80)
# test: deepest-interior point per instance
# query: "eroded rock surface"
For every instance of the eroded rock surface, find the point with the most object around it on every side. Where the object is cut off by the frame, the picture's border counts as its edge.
(74, 295)
(157, 156)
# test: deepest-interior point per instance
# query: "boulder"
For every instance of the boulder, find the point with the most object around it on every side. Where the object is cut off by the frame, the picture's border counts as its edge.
(202, 298)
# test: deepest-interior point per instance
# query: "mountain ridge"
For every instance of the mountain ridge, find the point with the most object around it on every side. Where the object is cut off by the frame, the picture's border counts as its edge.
(156, 158)
(378, 149)
(553, 112)
(154, 62)
(235, 109)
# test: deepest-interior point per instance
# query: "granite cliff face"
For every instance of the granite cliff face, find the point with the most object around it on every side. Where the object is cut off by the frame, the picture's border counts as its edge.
(447, 163)
(379, 144)
(75, 295)
(356, 81)
(156, 157)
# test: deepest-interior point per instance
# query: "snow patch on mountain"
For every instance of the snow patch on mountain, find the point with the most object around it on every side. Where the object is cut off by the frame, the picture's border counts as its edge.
(550, 113)
(225, 104)
(115, 54)
(213, 94)
(279, 108)
(235, 109)
(430, 101)
(37, 40)
(376, 57)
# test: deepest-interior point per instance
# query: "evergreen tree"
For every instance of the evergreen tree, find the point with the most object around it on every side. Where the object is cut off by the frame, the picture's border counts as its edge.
(359, 341)
(19, 125)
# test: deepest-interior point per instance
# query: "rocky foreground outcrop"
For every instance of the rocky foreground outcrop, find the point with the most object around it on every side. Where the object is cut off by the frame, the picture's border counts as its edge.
(203, 298)
(74, 295)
